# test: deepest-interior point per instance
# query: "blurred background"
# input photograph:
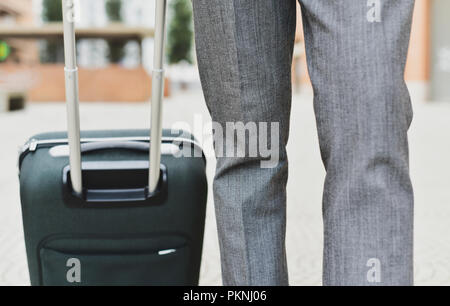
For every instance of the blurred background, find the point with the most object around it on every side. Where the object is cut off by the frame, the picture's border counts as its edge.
(115, 50)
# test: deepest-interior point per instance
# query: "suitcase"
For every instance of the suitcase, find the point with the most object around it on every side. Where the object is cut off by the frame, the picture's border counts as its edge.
(112, 217)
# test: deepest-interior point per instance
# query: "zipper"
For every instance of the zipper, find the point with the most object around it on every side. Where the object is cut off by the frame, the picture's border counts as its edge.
(33, 144)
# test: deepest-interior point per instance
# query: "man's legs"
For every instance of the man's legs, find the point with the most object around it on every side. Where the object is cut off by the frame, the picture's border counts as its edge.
(356, 53)
(244, 51)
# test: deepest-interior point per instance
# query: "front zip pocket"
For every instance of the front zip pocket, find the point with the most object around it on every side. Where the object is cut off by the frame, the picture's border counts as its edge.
(160, 261)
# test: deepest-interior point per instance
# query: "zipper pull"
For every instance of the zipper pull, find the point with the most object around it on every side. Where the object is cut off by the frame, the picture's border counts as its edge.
(166, 252)
(33, 145)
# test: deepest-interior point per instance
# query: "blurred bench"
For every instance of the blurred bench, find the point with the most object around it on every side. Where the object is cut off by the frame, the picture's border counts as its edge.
(12, 100)
(13, 90)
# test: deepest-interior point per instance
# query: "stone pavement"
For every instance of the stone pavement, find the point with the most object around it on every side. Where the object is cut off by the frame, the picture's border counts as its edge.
(430, 152)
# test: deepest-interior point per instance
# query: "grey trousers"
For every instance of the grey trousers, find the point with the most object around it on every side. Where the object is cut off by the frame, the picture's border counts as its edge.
(356, 52)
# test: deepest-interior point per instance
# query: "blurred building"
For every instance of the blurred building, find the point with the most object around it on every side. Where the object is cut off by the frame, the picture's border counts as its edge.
(428, 66)
(427, 71)
(417, 72)
(92, 14)
(18, 12)
(22, 27)
(440, 57)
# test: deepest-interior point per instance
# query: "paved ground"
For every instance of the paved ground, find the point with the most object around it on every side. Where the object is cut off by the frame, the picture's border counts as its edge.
(430, 149)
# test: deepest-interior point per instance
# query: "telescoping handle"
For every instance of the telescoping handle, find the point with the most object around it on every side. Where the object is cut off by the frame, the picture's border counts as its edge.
(72, 98)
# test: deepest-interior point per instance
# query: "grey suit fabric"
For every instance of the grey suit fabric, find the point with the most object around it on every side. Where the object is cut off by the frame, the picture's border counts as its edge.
(356, 63)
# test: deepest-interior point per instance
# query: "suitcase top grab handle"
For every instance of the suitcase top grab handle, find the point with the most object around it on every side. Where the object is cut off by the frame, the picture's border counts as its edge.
(72, 98)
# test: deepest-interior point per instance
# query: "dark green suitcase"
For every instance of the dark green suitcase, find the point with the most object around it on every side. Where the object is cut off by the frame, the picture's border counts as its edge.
(126, 238)
(116, 229)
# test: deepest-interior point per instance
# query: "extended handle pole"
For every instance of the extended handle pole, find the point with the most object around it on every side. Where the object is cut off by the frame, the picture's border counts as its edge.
(72, 99)
(157, 95)
(73, 113)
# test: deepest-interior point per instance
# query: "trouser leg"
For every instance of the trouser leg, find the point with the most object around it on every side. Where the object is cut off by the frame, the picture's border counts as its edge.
(356, 53)
(244, 51)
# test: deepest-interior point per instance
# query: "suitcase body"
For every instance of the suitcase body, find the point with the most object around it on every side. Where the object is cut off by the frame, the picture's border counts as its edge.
(116, 233)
